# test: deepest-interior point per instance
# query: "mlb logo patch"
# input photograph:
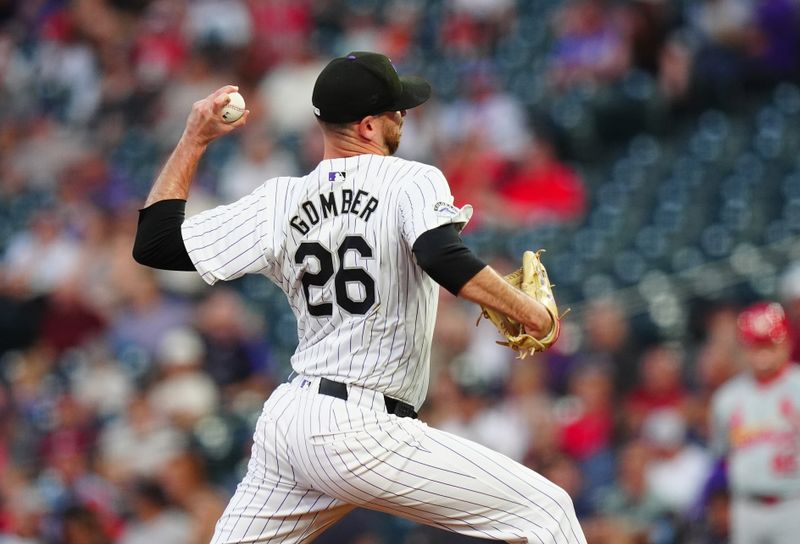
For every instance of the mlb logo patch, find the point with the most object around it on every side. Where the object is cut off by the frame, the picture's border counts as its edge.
(337, 176)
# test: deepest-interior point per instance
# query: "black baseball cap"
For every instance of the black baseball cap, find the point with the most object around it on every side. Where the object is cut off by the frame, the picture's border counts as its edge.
(359, 84)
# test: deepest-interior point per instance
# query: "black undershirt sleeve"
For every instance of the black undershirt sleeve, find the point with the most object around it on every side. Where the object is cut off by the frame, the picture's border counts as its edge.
(442, 254)
(159, 242)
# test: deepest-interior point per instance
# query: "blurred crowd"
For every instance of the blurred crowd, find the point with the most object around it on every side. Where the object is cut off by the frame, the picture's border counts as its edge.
(128, 396)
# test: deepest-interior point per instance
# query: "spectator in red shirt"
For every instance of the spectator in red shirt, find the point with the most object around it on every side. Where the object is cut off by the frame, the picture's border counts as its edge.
(69, 319)
(661, 387)
(543, 189)
(588, 422)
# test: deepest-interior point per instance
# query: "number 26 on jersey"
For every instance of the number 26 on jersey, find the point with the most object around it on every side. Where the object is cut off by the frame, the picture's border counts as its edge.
(332, 268)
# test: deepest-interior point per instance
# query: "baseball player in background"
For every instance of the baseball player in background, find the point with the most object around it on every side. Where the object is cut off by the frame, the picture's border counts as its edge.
(358, 246)
(756, 427)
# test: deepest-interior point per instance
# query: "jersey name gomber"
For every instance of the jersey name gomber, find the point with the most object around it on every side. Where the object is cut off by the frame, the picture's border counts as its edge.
(333, 204)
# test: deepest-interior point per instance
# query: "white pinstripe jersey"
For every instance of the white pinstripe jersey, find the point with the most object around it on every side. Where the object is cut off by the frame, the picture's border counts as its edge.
(338, 243)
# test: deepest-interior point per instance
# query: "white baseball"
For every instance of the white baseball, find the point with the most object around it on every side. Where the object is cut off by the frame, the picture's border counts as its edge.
(234, 108)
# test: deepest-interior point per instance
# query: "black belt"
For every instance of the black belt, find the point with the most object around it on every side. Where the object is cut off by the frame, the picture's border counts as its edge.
(393, 406)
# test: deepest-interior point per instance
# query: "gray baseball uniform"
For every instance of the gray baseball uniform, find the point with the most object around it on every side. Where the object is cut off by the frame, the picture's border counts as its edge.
(757, 427)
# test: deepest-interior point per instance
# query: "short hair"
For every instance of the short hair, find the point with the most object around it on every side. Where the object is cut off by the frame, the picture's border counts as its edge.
(336, 127)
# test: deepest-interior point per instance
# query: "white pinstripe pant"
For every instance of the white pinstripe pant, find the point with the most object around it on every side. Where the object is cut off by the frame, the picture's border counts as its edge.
(316, 457)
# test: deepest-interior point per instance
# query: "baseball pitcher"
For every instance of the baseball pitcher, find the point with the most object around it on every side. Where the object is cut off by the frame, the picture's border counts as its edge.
(359, 246)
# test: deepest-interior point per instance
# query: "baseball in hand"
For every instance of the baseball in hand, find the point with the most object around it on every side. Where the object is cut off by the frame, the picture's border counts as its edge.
(234, 109)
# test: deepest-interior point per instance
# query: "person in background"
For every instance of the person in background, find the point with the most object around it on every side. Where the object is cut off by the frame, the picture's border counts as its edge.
(154, 518)
(608, 335)
(660, 386)
(183, 392)
(81, 525)
(756, 430)
(628, 505)
(185, 482)
(542, 189)
(677, 468)
(590, 46)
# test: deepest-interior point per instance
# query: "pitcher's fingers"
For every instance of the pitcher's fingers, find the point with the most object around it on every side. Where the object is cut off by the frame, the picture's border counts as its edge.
(225, 89)
(219, 102)
(220, 97)
(241, 120)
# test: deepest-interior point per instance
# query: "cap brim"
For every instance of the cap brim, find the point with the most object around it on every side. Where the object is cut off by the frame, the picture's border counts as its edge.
(415, 92)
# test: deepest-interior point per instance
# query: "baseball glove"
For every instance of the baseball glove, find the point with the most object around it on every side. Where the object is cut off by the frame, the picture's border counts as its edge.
(531, 279)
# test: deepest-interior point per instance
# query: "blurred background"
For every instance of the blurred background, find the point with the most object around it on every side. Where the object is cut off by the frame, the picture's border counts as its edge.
(649, 145)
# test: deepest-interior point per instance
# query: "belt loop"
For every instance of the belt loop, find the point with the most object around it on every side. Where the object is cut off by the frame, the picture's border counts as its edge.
(333, 389)
(399, 408)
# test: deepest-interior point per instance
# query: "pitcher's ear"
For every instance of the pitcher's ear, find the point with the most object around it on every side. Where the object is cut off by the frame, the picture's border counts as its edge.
(367, 127)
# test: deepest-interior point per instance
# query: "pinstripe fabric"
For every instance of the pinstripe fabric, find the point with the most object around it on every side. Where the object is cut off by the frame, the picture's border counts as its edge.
(322, 456)
(387, 348)
(338, 242)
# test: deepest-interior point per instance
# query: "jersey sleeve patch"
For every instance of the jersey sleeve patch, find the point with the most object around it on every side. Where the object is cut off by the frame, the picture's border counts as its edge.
(426, 203)
(458, 216)
(443, 209)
